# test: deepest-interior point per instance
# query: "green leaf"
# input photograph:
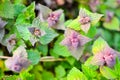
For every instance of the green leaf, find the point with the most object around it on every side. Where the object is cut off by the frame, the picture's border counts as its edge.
(98, 45)
(59, 49)
(18, 8)
(43, 49)
(48, 37)
(47, 76)
(12, 77)
(68, 22)
(117, 67)
(113, 24)
(92, 32)
(24, 32)
(89, 72)
(33, 56)
(95, 18)
(27, 16)
(26, 76)
(60, 72)
(1, 73)
(74, 24)
(76, 74)
(6, 9)
(116, 41)
(108, 72)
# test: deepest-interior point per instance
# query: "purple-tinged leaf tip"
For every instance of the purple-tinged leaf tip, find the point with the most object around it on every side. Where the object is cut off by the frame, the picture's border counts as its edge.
(19, 60)
(2, 23)
(74, 42)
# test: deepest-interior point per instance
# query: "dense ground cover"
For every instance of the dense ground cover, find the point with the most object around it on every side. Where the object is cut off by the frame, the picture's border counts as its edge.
(59, 39)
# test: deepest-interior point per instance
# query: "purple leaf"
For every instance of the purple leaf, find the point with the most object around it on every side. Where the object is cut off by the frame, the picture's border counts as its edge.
(93, 4)
(109, 16)
(2, 23)
(74, 42)
(43, 12)
(36, 33)
(19, 60)
(106, 56)
(84, 20)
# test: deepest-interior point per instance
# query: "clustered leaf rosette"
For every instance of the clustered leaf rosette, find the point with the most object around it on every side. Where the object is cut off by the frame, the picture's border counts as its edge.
(75, 42)
(36, 34)
(18, 61)
(2, 31)
(103, 54)
(85, 20)
(55, 19)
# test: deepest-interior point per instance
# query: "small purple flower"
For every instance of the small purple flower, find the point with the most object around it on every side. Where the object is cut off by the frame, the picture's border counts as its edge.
(93, 4)
(19, 60)
(106, 56)
(11, 41)
(74, 42)
(37, 33)
(52, 17)
(109, 16)
(84, 20)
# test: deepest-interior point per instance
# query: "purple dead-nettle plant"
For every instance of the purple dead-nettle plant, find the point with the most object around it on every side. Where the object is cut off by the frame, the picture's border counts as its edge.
(105, 56)
(75, 42)
(109, 16)
(2, 30)
(11, 42)
(19, 60)
(93, 4)
(84, 20)
(36, 34)
(53, 18)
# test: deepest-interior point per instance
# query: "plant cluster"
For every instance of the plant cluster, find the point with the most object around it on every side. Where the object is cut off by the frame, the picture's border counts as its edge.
(37, 43)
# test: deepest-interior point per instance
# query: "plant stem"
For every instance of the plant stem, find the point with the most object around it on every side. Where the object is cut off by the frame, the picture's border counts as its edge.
(43, 59)
(4, 57)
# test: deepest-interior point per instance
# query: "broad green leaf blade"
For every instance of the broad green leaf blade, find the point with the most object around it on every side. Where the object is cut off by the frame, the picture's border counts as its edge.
(18, 8)
(117, 67)
(60, 71)
(108, 72)
(24, 32)
(43, 49)
(89, 72)
(27, 16)
(74, 24)
(26, 76)
(6, 9)
(113, 25)
(95, 17)
(46, 75)
(33, 56)
(98, 45)
(49, 35)
(76, 74)
(59, 49)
